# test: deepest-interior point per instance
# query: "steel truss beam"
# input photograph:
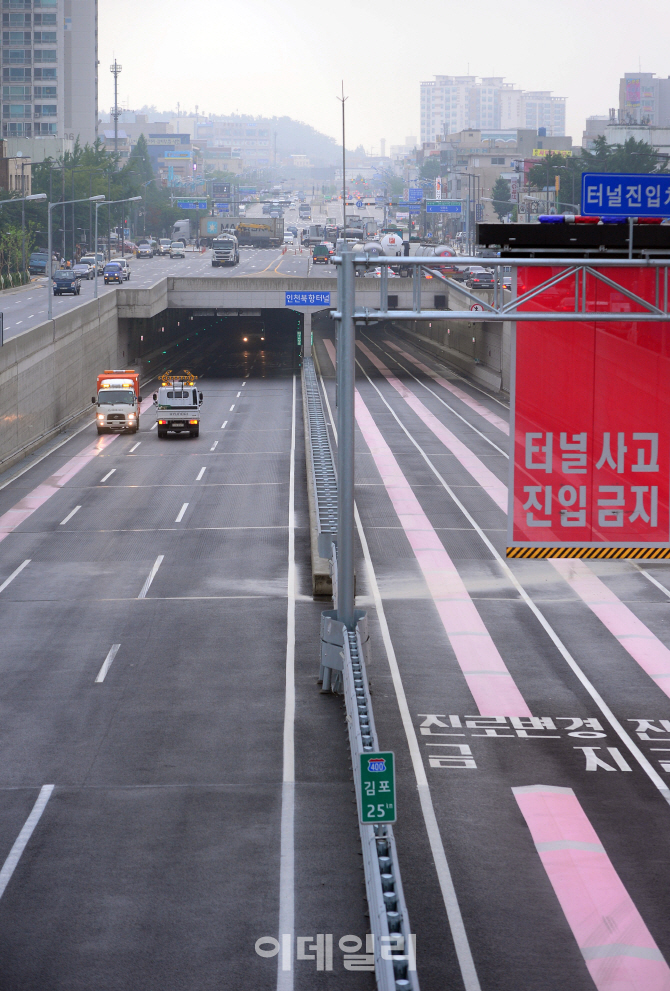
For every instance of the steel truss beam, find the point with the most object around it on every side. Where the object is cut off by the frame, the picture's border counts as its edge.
(500, 312)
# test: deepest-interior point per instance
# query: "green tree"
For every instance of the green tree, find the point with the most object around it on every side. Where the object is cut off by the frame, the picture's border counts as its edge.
(631, 156)
(139, 161)
(501, 198)
(431, 167)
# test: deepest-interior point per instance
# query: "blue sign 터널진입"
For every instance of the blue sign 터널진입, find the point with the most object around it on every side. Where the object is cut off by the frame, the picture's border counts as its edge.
(307, 299)
(625, 194)
(443, 206)
(192, 204)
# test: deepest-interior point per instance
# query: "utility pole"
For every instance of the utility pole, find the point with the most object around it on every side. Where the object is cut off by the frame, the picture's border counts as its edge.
(115, 70)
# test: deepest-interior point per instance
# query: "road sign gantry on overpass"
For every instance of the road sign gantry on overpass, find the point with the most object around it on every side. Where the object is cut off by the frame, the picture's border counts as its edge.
(500, 310)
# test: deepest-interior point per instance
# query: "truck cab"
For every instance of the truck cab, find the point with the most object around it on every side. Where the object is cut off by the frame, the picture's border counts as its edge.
(178, 405)
(225, 250)
(118, 401)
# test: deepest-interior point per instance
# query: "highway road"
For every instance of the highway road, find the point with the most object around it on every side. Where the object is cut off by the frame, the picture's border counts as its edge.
(160, 714)
(27, 307)
(174, 786)
(527, 703)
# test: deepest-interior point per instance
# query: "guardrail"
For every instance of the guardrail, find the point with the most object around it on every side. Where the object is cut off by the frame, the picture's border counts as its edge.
(393, 944)
(321, 483)
(344, 656)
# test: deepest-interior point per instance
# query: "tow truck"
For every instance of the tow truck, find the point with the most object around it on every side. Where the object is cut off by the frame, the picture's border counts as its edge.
(178, 404)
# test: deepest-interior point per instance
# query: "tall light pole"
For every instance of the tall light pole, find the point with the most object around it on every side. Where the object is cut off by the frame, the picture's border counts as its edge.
(130, 199)
(115, 70)
(343, 100)
(49, 248)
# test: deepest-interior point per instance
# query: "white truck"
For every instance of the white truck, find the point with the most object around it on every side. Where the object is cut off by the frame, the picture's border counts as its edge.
(118, 400)
(225, 250)
(178, 404)
(182, 230)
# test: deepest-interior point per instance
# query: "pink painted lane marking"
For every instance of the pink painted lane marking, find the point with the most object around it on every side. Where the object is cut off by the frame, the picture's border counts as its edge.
(19, 513)
(487, 414)
(618, 949)
(637, 639)
(492, 686)
(643, 646)
(472, 464)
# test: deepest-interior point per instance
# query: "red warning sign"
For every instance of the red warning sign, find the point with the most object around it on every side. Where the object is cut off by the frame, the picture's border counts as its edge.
(590, 418)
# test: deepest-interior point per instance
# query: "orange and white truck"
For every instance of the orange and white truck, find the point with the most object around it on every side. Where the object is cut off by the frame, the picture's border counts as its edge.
(118, 400)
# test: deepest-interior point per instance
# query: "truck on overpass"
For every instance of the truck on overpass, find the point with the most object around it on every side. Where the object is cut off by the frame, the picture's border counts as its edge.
(255, 232)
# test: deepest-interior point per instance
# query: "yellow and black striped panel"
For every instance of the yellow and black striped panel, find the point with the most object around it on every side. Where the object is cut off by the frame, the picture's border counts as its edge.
(641, 553)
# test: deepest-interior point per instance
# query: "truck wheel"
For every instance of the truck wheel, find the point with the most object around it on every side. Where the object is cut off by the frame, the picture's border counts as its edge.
(101, 430)
(162, 433)
(196, 432)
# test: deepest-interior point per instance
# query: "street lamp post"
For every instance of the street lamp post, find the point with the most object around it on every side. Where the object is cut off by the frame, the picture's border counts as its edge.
(130, 199)
(50, 251)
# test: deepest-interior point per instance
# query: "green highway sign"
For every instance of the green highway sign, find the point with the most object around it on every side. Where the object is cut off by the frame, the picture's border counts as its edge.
(378, 788)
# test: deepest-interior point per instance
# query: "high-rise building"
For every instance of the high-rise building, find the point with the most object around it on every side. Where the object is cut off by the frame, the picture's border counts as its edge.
(644, 99)
(449, 104)
(50, 69)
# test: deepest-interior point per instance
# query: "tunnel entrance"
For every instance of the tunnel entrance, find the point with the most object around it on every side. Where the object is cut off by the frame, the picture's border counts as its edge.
(217, 343)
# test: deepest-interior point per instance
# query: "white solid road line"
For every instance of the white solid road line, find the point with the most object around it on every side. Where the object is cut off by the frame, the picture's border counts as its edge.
(214, 445)
(153, 425)
(22, 839)
(108, 475)
(70, 515)
(609, 716)
(13, 575)
(152, 574)
(107, 663)
(180, 514)
(200, 474)
(647, 575)
(231, 408)
(454, 916)
(134, 447)
(224, 424)
(287, 840)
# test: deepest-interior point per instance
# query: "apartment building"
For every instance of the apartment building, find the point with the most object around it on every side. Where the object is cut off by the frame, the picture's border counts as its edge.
(50, 69)
(449, 104)
(643, 99)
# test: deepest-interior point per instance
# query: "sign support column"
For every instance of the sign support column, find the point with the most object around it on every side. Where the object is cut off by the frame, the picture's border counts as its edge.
(346, 372)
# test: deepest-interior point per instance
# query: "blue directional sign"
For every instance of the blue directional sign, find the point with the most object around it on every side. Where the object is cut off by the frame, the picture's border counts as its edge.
(307, 299)
(619, 194)
(415, 195)
(443, 206)
(359, 203)
(192, 204)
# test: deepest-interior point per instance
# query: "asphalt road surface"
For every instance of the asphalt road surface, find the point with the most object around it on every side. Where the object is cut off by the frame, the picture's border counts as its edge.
(27, 307)
(526, 702)
(166, 751)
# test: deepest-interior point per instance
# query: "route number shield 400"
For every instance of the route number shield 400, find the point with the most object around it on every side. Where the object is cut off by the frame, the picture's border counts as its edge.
(377, 788)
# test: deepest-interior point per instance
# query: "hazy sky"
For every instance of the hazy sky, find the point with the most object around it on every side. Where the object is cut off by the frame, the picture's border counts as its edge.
(271, 58)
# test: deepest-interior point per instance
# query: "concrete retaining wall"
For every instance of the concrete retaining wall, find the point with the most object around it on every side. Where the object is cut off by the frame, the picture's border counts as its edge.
(485, 360)
(48, 374)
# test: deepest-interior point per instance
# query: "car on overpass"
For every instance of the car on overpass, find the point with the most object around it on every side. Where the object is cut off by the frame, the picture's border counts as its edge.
(66, 281)
(113, 272)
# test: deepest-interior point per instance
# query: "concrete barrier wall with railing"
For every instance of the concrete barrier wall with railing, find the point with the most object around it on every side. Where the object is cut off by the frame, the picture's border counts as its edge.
(48, 374)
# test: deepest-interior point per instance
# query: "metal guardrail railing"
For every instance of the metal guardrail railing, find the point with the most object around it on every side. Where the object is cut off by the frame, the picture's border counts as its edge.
(394, 944)
(324, 477)
(506, 309)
